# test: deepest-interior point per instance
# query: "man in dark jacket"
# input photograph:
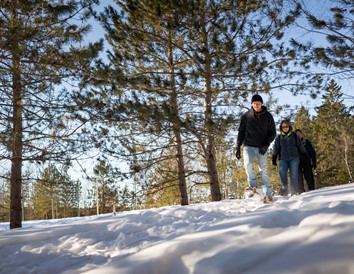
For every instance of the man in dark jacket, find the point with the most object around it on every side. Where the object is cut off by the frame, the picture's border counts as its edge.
(256, 132)
(307, 162)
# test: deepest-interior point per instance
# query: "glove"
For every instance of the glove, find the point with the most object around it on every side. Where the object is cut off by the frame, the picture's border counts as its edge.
(238, 153)
(263, 149)
(274, 160)
(314, 165)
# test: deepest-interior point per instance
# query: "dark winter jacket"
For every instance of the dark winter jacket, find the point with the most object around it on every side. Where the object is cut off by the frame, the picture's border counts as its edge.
(306, 159)
(288, 146)
(256, 128)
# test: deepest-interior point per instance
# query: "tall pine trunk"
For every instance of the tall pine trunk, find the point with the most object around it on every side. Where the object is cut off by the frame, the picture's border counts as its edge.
(210, 151)
(177, 130)
(17, 144)
(181, 170)
(39, 50)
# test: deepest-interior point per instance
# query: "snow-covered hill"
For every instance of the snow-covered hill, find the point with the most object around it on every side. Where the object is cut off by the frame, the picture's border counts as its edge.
(309, 233)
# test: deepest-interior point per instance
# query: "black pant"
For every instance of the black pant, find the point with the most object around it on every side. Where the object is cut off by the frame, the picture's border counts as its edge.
(306, 171)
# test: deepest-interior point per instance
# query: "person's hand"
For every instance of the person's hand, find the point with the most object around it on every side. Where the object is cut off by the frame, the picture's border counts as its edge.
(263, 149)
(274, 160)
(238, 153)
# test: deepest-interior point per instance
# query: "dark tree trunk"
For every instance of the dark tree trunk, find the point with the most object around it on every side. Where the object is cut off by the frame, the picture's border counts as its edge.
(177, 132)
(16, 160)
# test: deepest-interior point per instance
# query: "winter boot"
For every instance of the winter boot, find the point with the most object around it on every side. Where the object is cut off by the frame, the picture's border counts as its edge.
(267, 199)
(283, 191)
(250, 192)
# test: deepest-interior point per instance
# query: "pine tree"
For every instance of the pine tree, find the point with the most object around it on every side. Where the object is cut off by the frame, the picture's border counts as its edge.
(333, 137)
(126, 199)
(4, 200)
(228, 45)
(336, 26)
(46, 193)
(163, 189)
(145, 52)
(55, 194)
(107, 187)
(222, 57)
(27, 187)
(40, 49)
(69, 194)
(303, 122)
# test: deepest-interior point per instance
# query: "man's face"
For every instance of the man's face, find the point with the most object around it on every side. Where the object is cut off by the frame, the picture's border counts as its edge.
(257, 106)
(299, 134)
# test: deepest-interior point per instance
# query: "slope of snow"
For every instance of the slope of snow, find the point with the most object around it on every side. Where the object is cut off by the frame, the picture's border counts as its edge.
(309, 233)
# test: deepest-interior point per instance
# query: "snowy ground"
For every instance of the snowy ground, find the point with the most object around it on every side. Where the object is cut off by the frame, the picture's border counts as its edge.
(311, 233)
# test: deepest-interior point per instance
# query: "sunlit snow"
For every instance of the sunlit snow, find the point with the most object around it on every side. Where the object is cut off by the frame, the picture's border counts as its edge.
(310, 233)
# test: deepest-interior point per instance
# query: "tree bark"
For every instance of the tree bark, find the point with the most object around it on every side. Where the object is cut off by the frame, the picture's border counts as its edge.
(177, 131)
(209, 125)
(16, 159)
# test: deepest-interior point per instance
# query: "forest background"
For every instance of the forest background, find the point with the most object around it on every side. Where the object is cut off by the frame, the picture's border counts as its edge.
(155, 105)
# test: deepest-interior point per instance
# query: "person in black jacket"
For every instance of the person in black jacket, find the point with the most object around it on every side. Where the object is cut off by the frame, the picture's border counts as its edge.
(255, 133)
(287, 148)
(307, 162)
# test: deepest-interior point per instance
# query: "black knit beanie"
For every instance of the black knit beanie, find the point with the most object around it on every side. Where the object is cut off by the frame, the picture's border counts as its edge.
(256, 98)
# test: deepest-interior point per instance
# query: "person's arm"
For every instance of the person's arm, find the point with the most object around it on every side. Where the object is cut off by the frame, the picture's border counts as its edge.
(300, 145)
(312, 153)
(241, 132)
(272, 133)
(276, 150)
(240, 137)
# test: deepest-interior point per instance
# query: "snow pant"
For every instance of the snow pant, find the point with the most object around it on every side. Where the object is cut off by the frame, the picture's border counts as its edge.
(293, 167)
(305, 171)
(249, 155)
